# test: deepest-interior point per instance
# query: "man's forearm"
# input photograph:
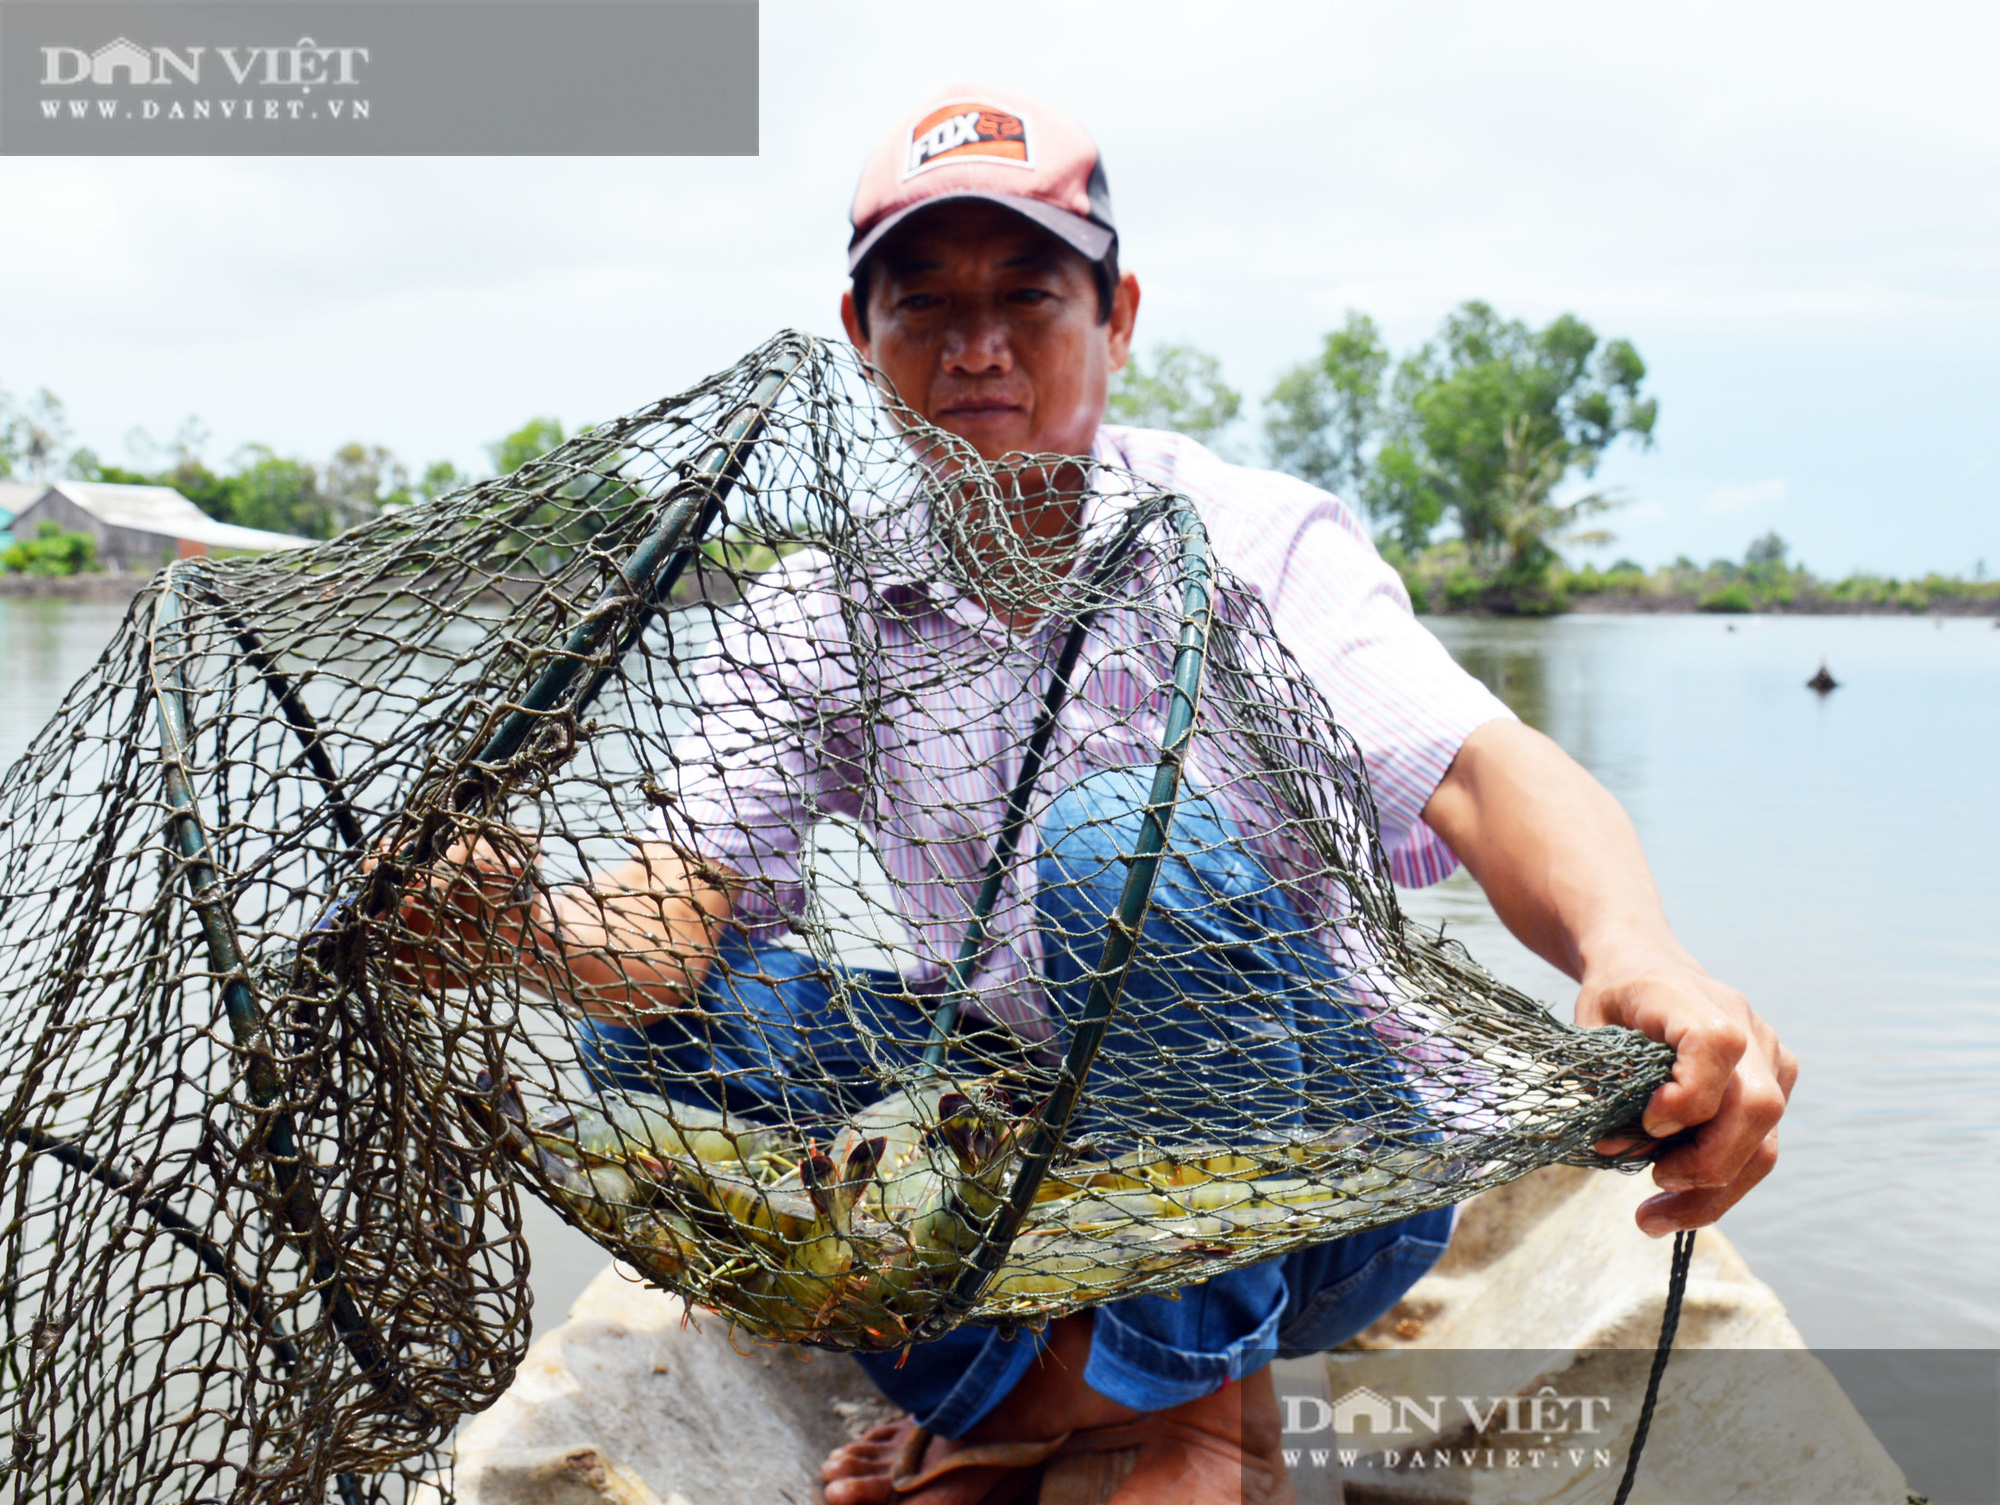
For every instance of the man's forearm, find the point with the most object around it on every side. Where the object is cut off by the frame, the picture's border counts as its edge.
(1557, 855)
(628, 945)
(635, 943)
(1564, 870)
(616, 957)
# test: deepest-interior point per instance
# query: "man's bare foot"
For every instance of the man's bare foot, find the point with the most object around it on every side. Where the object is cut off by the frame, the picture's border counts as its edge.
(863, 1472)
(1222, 1449)
(1050, 1401)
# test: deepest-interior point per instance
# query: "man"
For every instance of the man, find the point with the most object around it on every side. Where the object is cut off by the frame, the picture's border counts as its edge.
(986, 289)
(987, 292)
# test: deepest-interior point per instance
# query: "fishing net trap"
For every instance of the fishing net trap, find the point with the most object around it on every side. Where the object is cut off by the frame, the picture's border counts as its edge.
(745, 829)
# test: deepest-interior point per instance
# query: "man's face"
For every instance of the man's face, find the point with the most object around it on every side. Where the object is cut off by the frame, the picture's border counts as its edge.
(988, 326)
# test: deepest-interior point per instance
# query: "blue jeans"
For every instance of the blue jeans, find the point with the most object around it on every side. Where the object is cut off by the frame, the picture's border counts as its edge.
(1230, 1011)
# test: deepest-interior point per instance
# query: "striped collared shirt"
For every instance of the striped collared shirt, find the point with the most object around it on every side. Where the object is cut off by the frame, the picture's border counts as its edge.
(780, 743)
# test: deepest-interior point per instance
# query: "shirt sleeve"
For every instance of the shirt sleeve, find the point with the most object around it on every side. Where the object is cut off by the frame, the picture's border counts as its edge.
(755, 770)
(1343, 613)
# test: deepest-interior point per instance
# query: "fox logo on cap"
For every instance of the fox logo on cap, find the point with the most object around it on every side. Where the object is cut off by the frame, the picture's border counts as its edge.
(957, 131)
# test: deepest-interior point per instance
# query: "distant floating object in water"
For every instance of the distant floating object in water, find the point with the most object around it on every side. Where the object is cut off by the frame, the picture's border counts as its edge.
(1823, 682)
(1731, 627)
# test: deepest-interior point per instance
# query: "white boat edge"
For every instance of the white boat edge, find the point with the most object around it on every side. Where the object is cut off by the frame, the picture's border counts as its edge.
(635, 1401)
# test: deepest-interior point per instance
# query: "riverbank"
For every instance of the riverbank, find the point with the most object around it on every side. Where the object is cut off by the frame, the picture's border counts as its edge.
(1665, 594)
(1813, 606)
(122, 585)
(98, 585)
(1444, 579)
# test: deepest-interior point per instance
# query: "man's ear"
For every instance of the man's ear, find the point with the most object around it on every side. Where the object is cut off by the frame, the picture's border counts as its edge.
(1124, 314)
(853, 326)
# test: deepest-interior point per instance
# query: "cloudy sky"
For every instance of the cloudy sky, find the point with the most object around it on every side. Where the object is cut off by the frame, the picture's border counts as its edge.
(1793, 211)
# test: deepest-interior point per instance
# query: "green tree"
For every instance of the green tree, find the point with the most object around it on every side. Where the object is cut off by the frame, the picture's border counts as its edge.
(280, 495)
(220, 496)
(1323, 416)
(51, 552)
(33, 435)
(530, 441)
(1773, 579)
(1487, 413)
(439, 478)
(358, 480)
(181, 467)
(1529, 522)
(1180, 388)
(1768, 550)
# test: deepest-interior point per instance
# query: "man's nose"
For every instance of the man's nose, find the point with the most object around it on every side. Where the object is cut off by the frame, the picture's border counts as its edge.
(976, 344)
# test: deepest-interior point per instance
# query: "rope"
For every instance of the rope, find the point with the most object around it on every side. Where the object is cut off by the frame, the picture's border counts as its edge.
(1670, 1319)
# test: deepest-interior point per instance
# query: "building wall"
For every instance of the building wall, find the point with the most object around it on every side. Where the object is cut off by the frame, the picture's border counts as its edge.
(129, 549)
(117, 548)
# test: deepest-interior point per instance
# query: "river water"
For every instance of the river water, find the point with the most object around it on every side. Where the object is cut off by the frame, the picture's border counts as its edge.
(1836, 858)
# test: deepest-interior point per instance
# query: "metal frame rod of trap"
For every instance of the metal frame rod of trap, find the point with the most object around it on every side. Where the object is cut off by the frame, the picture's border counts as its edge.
(650, 574)
(958, 983)
(297, 1206)
(1121, 941)
(247, 1028)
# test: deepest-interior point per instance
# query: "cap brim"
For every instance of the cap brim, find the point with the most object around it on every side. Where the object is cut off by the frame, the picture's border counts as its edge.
(1088, 238)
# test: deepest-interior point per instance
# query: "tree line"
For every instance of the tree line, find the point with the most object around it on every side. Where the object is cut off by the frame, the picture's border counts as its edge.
(1458, 454)
(1765, 580)
(1463, 443)
(257, 487)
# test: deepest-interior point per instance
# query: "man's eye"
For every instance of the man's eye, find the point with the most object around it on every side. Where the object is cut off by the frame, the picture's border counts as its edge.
(1030, 295)
(918, 302)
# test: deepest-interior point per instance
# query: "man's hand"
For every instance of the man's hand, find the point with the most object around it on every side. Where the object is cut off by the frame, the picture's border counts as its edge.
(472, 908)
(1564, 870)
(626, 946)
(637, 940)
(1732, 1078)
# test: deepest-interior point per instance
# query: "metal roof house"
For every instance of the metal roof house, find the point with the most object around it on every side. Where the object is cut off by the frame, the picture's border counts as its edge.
(139, 527)
(14, 495)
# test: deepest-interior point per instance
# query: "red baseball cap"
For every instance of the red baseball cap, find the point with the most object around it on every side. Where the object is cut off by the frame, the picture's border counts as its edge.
(972, 142)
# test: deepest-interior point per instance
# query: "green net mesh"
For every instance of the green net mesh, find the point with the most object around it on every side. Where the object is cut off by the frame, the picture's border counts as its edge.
(748, 831)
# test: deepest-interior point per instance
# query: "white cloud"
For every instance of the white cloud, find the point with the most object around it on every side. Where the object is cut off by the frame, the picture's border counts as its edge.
(1755, 494)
